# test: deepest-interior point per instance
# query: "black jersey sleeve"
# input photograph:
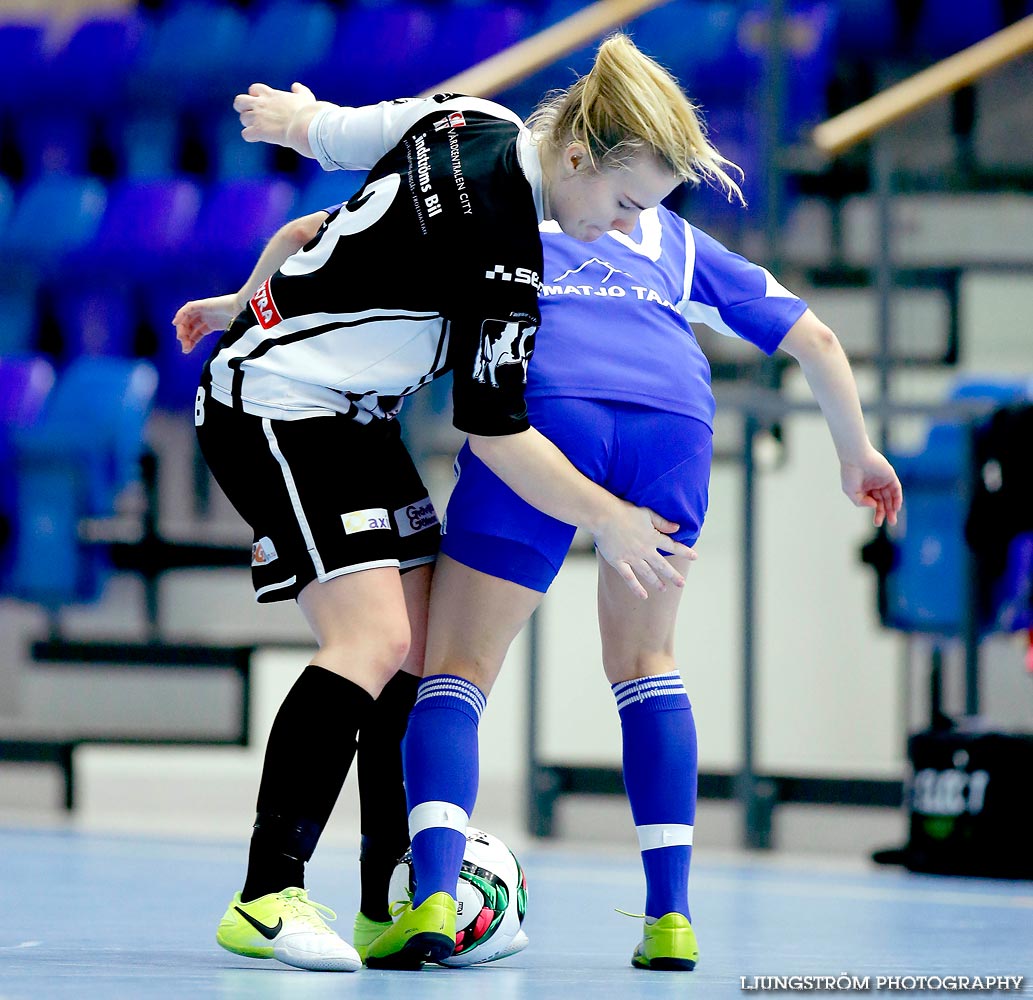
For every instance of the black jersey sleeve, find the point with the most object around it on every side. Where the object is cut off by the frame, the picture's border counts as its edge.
(491, 341)
(489, 359)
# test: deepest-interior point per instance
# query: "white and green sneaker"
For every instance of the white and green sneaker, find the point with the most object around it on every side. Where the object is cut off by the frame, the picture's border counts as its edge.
(287, 926)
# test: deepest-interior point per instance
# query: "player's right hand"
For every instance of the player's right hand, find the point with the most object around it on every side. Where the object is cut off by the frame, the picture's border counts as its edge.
(629, 543)
(200, 317)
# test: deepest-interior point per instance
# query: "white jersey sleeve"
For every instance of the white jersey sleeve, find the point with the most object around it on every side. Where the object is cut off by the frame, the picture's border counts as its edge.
(345, 138)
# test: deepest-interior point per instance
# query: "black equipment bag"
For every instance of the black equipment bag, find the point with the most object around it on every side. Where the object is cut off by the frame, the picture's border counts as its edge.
(969, 796)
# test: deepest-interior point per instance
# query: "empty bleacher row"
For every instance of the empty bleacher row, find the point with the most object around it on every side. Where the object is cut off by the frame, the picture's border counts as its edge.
(95, 269)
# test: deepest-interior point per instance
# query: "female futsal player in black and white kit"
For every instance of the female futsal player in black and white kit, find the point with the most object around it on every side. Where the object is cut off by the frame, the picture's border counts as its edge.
(434, 265)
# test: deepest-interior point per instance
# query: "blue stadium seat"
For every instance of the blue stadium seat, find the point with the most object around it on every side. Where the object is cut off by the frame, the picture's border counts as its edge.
(95, 318)
(90, 72)
(21, 58)
(146, 145)
(229, 156)
(144, 233)
(53, 141)
(285, 39)
(868, 29)
(186, 58)
(6, 202)
(236, 221)
(467, 35)
(25, 384)
(17, 319)
(73, 464)
(376, 54)
(54, 216)
(147, 225)
(947, 26)
(925, 589)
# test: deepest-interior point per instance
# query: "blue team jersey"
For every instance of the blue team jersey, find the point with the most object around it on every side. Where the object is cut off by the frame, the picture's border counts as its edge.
(614, 337)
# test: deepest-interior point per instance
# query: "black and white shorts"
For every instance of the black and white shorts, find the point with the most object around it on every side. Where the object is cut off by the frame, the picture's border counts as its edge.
(325, 496)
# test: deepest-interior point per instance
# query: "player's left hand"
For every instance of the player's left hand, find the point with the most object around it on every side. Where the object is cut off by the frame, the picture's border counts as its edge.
(871, 482)
(198, 318)
(281, 117)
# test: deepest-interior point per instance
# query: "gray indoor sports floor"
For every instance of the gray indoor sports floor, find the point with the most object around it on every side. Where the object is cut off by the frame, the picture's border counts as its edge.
(128, 918)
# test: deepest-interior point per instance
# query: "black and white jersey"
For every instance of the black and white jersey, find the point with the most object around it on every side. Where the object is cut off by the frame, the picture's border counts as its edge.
(433, 265)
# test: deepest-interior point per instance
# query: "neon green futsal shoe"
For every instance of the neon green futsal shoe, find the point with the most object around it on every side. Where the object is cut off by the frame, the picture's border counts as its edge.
(366, 931)
(287, 926)
(424, 934)
(668, 945)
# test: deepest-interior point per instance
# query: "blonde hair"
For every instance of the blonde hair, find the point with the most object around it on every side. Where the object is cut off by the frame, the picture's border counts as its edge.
(628, 102)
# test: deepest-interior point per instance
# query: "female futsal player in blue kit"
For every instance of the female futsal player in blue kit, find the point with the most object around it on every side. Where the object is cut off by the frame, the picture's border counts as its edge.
(620, 385)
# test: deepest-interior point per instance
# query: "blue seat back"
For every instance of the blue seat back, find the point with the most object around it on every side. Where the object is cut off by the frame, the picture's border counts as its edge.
(17, 320)
(145, 229)
(6, 203)
(185, 60)
(104, 403)
(286, 39)
(238, 217)
(926, 588)
(377, 54)
(91, 70)
(68, 209)
(53, 141)
(146, 145)
(947, 26)
(25, 384)
(22, 58)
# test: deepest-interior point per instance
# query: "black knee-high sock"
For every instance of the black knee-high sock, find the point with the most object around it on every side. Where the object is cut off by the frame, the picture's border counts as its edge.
(311, 746)
(385, 818)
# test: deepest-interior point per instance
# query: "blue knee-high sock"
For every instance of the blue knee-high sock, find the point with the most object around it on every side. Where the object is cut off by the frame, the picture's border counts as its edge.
(660, 777)
(441, 767)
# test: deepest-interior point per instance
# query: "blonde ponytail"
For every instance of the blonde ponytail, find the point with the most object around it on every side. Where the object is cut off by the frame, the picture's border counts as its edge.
(628, 102)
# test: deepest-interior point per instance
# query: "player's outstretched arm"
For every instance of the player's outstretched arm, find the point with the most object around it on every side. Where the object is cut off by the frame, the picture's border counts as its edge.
(627, 536)
(198, 318)
(866, 475)
(281, 117)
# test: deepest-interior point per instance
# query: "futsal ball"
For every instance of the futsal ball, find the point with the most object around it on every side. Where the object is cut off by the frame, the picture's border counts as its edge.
(491, 898)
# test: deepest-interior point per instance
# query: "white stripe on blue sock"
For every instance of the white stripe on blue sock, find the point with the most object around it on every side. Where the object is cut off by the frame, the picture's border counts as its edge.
(654, 835)
(451, 686)
(428, 815)
(657, 686)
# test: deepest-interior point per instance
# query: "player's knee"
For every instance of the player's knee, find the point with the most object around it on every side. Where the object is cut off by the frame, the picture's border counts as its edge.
(626, 665)
(376, 652)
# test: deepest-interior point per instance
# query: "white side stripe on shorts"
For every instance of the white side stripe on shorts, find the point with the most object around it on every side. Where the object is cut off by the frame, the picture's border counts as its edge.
(654, 835)
(292, 489)
(276, 586)
(436, 813)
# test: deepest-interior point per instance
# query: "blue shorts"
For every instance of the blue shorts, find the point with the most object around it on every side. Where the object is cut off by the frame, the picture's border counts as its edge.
(649, 457)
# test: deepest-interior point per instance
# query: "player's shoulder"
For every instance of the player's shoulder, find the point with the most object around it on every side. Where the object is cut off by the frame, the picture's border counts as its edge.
(476, 107)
